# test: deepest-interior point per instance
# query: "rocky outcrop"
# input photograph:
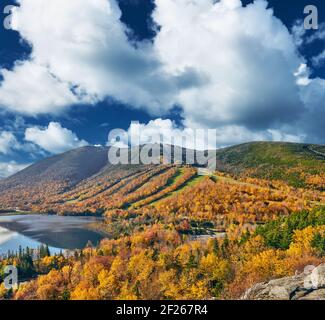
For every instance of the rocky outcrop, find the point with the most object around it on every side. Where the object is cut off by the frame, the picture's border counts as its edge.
(309, 285)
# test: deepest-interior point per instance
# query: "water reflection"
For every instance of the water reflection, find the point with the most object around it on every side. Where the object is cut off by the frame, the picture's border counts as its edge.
(10, 241)
(57, 232)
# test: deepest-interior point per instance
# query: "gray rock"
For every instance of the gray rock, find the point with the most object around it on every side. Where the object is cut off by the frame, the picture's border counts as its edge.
(305, 286)
(315, 295)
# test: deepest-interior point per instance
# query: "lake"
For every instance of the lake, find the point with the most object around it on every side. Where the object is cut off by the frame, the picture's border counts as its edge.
(58, 232)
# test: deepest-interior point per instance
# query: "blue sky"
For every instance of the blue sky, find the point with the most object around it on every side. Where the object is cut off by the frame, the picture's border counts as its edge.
(70, 73)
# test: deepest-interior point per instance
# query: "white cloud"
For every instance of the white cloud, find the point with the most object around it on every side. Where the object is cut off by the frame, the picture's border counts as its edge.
(298, 32)
(8, 142)
(83, 45)
(246, 55)
(212, 58)
(301, 38)
(162, 131)
(277, 135)
(302, 75)
(166, 131)
(312, 121)
(228, 67)
(31, 89)
(317, 35)
(319, 59)
(9, 168)
(54, 138)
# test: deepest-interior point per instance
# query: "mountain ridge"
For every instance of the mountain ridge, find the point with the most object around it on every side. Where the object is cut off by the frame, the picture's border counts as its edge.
(224, 155)
(84, 177)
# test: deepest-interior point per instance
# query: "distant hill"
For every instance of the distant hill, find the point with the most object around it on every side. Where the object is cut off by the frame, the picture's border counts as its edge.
(274, 160)
(84, 177)
(72, 167)
(267, 159)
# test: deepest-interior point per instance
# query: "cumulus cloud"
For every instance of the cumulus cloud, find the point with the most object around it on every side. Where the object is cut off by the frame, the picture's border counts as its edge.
(9, 145)
(246, 54)
(31, 89)
(312, 122)
(303, 75)
(228, 67)
(9, 168)
(162, 131)
(302, 38)
(298, 32)
(54, 138)
(8, 142)
(80, 49)
(166, 131)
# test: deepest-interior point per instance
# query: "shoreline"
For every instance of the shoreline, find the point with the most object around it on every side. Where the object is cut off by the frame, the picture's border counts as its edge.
(66, 233)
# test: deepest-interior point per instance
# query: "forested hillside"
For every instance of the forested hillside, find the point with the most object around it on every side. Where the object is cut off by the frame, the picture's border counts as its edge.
(82, 180)
(157, 262)
(300, 165)
(170, 232)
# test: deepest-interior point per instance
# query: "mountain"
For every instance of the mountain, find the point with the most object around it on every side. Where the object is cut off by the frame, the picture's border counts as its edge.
(72, 166)
(76, 165)
(268, 158)
(171, 233)
(290, 162)
(84, 177)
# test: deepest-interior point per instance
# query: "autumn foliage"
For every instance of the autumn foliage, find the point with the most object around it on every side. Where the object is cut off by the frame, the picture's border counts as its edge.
(172, 234)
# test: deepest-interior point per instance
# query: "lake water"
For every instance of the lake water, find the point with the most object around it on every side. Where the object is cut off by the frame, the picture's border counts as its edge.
(57, 232)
